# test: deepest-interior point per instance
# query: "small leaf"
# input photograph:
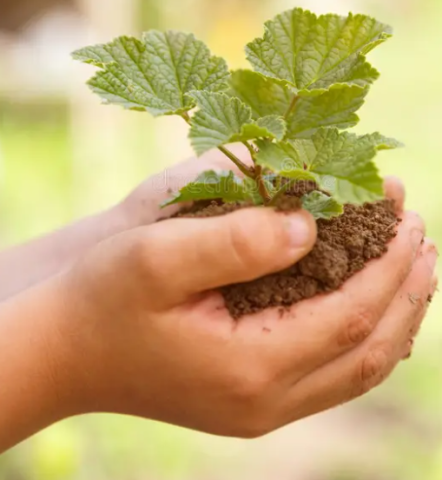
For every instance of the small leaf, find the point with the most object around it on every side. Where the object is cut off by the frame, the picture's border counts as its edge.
(211, 185)
(156, 73)
(321, 206)
(335, 107)
(282, 159)
(271, 127)
(342, 162)
(330, 152)
(311, 53)
(222, 119)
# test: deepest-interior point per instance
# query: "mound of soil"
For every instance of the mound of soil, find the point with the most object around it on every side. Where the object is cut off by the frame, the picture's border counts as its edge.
(345, 244)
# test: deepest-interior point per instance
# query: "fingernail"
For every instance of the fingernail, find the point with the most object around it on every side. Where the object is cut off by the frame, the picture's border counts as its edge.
(416, 237)
(299, 229)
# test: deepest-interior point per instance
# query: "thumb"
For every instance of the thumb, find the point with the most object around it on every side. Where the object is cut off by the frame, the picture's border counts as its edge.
(189, 256)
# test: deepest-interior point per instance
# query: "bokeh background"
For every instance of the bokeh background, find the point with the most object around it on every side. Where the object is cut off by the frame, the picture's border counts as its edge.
(63, 155)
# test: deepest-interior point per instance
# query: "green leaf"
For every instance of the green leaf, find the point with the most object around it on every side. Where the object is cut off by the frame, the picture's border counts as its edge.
(345, 163)
(330, 152)
(222, 119)
(321, 205)
(311, 53)
(271, 126)
(262, 95)
(335, 107)
(282, 159)
(154, 74)
(211, 185)
(340, 162)
(97, 55)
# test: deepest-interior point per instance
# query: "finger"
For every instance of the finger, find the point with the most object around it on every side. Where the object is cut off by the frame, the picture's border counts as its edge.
(416, 325)
(183, 257)
(395, 190)
(360, 370)
(414, 330)
(340, 321)
(180, 175)
(165, 184)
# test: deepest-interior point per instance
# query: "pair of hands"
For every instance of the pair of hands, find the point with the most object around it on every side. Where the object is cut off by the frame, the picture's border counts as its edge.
(145, 333)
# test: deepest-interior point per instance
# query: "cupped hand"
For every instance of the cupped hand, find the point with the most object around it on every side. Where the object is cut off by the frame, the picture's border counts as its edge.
(148, 333)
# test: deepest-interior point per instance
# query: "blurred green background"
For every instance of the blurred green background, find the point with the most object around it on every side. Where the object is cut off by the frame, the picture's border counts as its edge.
(62, 156)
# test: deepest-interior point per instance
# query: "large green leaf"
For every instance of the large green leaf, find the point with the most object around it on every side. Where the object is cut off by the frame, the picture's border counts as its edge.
(321, 205)
(330, 152)
(335, 107)
(156, 73)
(211, 185)
(341, 162)
(222, 119)
(263, 96)
(311, 53)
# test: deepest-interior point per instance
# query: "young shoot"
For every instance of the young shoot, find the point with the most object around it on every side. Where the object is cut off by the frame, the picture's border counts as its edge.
(310, 76)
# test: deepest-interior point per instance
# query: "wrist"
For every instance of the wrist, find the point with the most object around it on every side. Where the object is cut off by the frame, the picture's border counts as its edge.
(35, 377)
(77, 371)
(59, 363)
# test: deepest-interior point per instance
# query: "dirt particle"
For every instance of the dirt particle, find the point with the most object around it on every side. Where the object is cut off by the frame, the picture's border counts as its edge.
(289, 204)
(414, 299)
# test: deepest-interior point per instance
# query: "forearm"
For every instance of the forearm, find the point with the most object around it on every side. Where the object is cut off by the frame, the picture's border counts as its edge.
(30, 393)
(27, 265)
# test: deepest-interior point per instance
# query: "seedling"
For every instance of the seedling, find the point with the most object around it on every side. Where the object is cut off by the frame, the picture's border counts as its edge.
(310, 76)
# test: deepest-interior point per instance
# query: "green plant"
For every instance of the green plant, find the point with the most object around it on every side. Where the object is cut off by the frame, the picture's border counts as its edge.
(310, 77)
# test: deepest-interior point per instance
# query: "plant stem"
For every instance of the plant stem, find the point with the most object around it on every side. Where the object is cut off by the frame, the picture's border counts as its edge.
(248, 172)
(291, 106)
(262, 188)
(255, 173)
(278, 183)
(261, 185)
(250, 149)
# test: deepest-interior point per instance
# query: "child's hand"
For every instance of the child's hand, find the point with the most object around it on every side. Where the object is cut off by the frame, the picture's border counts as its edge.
(147, 335)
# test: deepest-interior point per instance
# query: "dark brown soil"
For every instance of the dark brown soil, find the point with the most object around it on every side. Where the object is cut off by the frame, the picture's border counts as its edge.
(345, 244)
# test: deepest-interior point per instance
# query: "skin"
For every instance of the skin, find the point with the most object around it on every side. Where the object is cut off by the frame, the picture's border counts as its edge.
(58, 251)
(133, 325)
